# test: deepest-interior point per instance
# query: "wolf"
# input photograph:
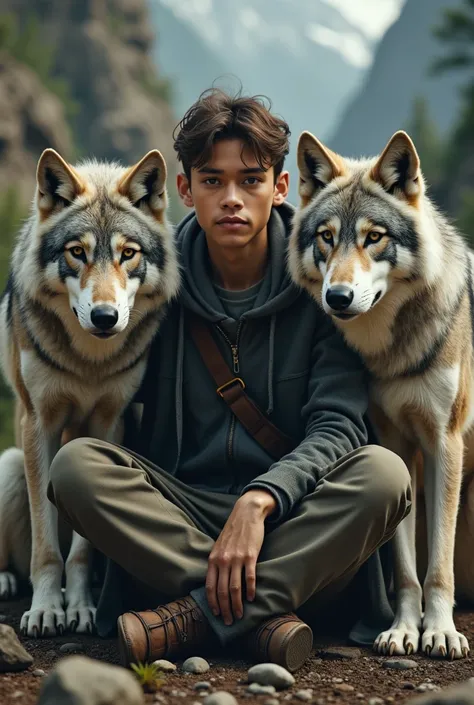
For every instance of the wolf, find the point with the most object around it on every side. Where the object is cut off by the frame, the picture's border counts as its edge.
(91, 273)
(373, 250)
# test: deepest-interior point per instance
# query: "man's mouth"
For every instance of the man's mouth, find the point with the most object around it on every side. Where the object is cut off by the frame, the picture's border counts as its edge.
(232, 222)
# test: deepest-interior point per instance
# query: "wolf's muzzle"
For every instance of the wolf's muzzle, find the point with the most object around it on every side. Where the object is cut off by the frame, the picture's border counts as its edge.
(339, 297)
(104, 317)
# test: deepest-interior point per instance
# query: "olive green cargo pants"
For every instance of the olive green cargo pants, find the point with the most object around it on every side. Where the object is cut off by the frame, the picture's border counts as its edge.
(161, 531)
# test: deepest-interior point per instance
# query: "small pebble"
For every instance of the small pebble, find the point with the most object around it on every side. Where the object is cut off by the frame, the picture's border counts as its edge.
(270, 674)
(160, 698)
(17, 694)
(340, 652)
(271, 701)
(390, 699)
(164, 665)
(344, 688)
(408, 686)
(424, 687)
(399, 664)
(375, 701)
(258, 689)
(72, 648)
(337, 680)
(195, 664)
(220, 697)
(202, 685)
(39, 672)
(305, 695)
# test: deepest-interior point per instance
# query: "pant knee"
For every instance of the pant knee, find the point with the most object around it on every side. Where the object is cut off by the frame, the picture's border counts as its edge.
(72, 475)
(386, 478)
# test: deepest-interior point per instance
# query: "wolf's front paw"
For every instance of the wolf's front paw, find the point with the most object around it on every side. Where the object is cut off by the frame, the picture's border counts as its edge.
(8, 586)
(81, 619)
(401, 639)
(43, 620)
(442, 640)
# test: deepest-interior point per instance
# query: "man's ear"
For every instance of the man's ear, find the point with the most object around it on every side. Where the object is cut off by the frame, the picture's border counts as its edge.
(57, 181)
(317, 165)
(397, 169)
(184, 190)
(145, 184)
(282, 185)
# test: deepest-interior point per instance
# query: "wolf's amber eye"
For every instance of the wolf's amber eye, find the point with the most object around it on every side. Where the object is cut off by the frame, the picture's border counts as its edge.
(77, 251)
(373, 236)
(128, 253)
(326, 235)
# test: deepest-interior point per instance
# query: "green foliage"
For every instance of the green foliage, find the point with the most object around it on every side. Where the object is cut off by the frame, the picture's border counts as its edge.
(148, 675)
(427, 140)
(465, 220)
(26, 43)
(457, 31)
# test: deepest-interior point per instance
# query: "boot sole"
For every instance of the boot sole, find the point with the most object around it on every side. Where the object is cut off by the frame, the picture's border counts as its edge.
(125, 652)
(296, 647)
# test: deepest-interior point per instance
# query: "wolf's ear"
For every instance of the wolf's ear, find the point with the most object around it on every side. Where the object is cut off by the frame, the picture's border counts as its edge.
(317, 166)
(144, 184)
(398, 168)
(58, 183)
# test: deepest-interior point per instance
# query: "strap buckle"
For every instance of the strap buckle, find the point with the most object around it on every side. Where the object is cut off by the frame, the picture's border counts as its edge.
(239, 380)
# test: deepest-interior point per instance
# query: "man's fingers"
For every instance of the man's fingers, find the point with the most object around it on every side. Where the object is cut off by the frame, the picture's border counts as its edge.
(223, 595)
(250, 578)
(235, 588)
(211, 588)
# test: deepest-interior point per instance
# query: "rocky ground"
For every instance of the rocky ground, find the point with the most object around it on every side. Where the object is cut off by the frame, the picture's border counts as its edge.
(334, 675)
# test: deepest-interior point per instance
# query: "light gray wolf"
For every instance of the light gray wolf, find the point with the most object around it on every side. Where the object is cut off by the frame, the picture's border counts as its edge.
(396, 277)
(91, 273)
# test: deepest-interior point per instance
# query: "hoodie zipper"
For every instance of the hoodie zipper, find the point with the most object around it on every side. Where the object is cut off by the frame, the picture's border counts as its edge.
(234, 347)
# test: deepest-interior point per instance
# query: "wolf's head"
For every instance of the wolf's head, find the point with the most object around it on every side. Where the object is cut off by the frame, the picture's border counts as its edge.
(99, 237)
(357, 231)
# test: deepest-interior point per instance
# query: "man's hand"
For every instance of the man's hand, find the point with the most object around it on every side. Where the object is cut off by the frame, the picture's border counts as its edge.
(236, 550)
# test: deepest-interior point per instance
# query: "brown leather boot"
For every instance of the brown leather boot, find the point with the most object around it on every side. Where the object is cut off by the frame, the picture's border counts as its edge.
(169, 630)
(285, 640)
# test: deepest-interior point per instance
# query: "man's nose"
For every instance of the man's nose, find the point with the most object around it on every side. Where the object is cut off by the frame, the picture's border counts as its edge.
(231, 198)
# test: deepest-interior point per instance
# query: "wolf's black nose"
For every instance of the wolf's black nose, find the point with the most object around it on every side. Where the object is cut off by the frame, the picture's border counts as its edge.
(339, 297)
(104, 317)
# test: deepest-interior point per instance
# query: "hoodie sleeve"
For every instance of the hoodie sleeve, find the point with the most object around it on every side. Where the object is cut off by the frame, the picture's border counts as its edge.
(333, 415)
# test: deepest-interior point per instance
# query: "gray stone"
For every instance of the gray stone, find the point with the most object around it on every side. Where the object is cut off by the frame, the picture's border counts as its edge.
(270, 674)
(258, 689)
(164, 665)
(400, 664)
(339, 652)
(375, 701)
(13, 657)
(220, 697)
(202, 685)
(407, 685)
(72, 648)
(425, 687)
(458, 694)
(304, 695)
(195, 664)
(343, 688)
(17, 694)
(39, 672)
(78, 680)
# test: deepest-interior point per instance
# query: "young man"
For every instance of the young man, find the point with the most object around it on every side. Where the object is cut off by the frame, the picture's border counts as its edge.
(229, 523)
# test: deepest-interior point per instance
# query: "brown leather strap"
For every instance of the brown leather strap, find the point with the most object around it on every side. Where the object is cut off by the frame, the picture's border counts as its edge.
(231, 389)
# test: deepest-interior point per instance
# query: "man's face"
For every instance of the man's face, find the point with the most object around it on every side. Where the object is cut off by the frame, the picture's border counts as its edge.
(232, 195)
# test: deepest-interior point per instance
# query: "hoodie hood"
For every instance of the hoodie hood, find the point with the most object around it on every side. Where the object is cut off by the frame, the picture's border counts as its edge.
(197, 291)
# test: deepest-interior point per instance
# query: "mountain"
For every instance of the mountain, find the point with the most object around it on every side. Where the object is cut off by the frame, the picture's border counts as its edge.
(306, 55)
(399, 74)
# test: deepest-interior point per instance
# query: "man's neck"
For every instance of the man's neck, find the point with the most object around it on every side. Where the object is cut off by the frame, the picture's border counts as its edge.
(237, 269)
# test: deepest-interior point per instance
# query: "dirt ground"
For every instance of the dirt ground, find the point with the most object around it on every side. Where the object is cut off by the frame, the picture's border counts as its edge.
(327, 678)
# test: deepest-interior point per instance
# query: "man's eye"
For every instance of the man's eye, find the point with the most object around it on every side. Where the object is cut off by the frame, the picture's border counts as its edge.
(211, 182)
(251, 181)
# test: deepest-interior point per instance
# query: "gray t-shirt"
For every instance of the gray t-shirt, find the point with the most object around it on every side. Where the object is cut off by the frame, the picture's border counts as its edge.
(235, 303)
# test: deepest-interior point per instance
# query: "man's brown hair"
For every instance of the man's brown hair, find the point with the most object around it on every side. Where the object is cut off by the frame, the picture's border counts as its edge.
(216, 115)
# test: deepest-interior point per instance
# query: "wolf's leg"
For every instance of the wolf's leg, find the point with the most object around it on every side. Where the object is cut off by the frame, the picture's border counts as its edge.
(15, 541)
(80, 609)
(443, 474)
(404, 634)
(46, 615)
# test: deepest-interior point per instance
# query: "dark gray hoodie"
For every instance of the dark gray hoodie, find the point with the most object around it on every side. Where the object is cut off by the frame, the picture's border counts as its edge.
(295, 367)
